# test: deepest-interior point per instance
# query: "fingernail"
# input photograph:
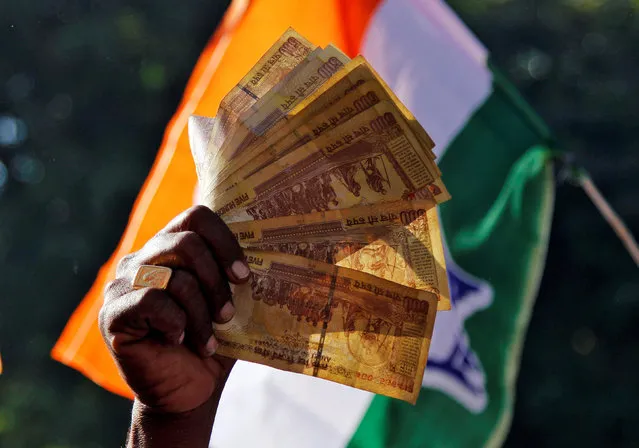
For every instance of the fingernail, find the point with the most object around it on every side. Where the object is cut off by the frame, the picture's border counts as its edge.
(181, 338)
(227, 312)
(240, 270)
(211, 346)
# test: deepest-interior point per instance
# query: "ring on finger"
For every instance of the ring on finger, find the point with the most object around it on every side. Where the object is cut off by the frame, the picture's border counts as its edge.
(151, 276)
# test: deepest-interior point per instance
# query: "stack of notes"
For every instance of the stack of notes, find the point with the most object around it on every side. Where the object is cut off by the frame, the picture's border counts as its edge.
(330, 185)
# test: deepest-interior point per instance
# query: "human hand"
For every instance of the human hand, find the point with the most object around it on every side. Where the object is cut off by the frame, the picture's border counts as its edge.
(162, 340)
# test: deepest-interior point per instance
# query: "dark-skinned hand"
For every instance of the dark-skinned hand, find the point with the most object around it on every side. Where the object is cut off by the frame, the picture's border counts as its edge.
(162, 340)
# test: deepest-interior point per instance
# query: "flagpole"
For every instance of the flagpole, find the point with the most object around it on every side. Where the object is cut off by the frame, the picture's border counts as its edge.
(610, 215)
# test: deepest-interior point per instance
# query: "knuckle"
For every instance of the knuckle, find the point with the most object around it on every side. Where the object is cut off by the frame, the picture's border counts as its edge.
(124, 264)
(187, 240)
(148, 298)
(197, 213)
(187, 286)
(173, 318)
(116, 288)
(178, 320)
(103, 321)
(111, 290)
(108, 317)
(191, 245)
(154, 302)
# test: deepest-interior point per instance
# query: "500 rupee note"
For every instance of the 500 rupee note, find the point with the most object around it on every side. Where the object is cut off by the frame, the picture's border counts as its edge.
(360, 63)
(330, 322)
(397, 241)
(290, 50)
(278, 61)
(275, 104)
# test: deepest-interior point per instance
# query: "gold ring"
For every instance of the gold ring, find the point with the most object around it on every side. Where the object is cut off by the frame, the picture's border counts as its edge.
(150, 276)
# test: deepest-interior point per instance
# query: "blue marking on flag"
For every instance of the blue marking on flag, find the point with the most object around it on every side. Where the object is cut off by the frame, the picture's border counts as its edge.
(453, 367)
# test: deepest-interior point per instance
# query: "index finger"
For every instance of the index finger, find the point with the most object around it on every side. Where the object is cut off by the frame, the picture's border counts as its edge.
(215, 233)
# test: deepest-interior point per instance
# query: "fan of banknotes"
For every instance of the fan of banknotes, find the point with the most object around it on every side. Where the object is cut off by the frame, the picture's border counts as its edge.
(330, 185)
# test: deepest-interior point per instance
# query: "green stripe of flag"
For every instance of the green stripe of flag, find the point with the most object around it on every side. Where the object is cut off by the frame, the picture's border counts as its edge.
(500, 157)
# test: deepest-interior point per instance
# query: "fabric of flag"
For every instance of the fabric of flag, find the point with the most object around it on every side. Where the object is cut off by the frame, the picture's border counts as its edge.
(493, 154)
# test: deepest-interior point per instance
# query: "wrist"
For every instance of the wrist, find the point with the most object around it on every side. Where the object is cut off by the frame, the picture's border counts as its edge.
(153, 428)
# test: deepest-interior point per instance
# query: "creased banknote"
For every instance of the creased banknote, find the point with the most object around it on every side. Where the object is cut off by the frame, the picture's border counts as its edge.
(290, 50)
(357, 69)
(397, 241)
(355, 74)
(278, 61)
(373, 158)
(275, 104)
(359, 99)
(331, 322)
(300, 82)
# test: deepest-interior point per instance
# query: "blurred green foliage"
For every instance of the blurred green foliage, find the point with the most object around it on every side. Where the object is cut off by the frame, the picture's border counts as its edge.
(94, 83)
(86, 89)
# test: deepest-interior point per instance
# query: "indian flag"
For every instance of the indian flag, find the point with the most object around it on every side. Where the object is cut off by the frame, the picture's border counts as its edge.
(491, 149)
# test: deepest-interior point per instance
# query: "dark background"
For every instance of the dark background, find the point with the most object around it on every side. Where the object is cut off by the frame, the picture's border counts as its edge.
(86, 90)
